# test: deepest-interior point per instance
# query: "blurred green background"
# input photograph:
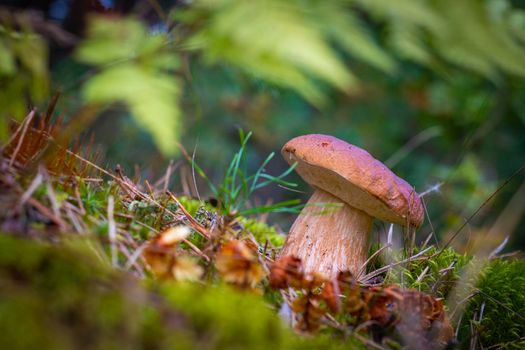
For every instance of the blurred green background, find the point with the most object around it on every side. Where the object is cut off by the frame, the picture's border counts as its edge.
(434, 89)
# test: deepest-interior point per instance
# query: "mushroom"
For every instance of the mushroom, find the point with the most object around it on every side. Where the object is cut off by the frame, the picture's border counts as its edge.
(363, 188)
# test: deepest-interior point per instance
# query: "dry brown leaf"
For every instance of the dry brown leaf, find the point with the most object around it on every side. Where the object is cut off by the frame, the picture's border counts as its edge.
(239, 265)
(160, 260)
(161, 255)
(172, 236)
(382, 304)
(418, 317)
(287, 272)
(330, 294)
(186, 269)
(309, 313)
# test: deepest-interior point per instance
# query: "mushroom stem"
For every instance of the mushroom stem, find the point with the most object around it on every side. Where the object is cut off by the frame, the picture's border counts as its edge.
(328, 238)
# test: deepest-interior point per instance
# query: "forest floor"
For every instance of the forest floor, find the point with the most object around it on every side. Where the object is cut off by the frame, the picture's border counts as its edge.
(91, 257)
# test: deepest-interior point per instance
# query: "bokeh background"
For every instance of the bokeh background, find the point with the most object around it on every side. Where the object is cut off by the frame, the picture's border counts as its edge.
(434, 89)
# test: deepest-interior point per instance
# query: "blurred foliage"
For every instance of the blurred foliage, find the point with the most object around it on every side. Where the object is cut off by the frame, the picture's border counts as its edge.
(135, 68)
(24, 72)
(283, 42)
(434, 88)
(291, 43)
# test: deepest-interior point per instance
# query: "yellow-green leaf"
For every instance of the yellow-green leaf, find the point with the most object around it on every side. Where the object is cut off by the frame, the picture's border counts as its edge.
(151, 97)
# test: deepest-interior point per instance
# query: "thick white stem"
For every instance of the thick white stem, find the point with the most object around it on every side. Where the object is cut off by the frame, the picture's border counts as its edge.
(328, 238)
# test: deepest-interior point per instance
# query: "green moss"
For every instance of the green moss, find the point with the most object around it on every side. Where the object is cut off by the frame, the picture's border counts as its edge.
(63, 297)
(191, 205)
(501, 290)
(227, 319)
(262, 232)
(431, 273)
(224, 318)
(52, 296)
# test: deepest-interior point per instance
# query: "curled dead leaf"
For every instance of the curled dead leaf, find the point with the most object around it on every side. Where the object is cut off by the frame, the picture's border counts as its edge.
(239, 265)
(309, 313)
(330, 294)
(383, 304)
(163, 259)
(287, 272)
(418, 317)
(160, 260)
(186, 269)
(172, 236)
(353, 300)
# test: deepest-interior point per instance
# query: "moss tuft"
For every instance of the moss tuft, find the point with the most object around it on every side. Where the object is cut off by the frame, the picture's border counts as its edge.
(501, 290)
(262, 232)
(431, 273)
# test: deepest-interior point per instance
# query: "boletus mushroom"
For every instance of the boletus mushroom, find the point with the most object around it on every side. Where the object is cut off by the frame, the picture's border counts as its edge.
(364, 189)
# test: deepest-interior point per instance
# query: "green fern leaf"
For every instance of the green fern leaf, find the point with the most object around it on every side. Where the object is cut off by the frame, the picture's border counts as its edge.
(136, 71)
(150, 98)
(273, 40)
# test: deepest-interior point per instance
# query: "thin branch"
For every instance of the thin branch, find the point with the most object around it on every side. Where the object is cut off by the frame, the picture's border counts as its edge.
(37, 181)
(22, 136)
(432, 230)
(505, 183)
(193, 173)
(376, 253)
(391, 265)
(461, 302)
(196, 225)
(112, 232)
(499, 248)
(422, 275)
(135, 256)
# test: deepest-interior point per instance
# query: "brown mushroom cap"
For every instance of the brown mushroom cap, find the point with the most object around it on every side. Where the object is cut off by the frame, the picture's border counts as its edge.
(354, 176)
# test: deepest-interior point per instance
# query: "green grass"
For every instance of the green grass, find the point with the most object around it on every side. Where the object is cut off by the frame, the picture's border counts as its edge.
(239, 185)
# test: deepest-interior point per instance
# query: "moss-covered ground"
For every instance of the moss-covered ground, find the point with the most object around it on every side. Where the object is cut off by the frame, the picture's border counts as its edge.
(91, 259)
(63, 297)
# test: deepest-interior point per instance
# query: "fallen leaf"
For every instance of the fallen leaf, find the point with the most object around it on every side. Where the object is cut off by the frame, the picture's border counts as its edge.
(330, 294)
(287, 272)
(186, 269)
(173, 235)
(161, 255)
(309, 313)
(239, 265)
